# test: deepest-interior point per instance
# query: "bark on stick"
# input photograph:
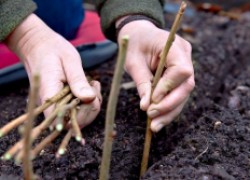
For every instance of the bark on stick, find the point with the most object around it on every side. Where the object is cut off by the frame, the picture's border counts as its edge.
(157, 77)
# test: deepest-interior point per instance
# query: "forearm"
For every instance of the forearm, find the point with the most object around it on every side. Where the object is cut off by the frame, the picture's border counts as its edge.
(12, 13)
(112, 10)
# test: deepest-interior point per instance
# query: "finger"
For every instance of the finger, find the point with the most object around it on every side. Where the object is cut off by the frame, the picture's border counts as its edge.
(178, 70)
(158, 123)
(137, 68)
(172, 78)
(88, 112)
(172, 100)
(97, 88)
(76, 78)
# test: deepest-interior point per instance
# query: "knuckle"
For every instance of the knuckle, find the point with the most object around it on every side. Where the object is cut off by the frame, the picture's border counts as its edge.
(190, 85)
(187, 46)
(166, 86)
(96, 106)
(185, 71)
(166, 108)
(128, 66)
(76, 79)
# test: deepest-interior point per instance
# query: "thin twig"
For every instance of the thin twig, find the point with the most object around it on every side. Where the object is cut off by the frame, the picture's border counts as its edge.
(75, 126)
(45, 142)
(64, 144)
(37, 130)
(111, 109)
(203, 152)
(27, 140)
(61, 113)
(157, 77)
(21, 119)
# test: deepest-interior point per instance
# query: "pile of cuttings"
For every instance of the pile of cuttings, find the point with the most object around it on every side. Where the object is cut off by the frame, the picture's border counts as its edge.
(65, 113)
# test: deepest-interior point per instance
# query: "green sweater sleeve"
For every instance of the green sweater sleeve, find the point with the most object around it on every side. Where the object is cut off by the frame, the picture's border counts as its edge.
(111, 10)
(12, 13)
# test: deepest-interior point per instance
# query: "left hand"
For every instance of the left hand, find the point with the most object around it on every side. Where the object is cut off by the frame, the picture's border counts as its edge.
(172, 91)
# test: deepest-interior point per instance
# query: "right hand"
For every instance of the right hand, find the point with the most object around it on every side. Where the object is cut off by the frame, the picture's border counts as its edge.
(45, 52)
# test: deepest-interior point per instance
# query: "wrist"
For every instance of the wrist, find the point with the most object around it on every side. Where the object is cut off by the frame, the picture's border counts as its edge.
(133, 28)
(24, 34)
(125, 20)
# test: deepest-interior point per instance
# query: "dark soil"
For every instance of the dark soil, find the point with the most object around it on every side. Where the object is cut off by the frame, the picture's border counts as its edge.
(211, 139)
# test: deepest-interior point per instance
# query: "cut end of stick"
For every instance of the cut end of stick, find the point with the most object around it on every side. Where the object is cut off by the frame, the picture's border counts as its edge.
(61, 152)
(1, 134)
(7, 157)
(78, 138)
(59, 127)
(125, 37)
(183, 6)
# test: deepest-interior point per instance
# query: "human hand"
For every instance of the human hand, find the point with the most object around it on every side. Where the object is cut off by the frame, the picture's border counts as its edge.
(173, 89)
(56, 60)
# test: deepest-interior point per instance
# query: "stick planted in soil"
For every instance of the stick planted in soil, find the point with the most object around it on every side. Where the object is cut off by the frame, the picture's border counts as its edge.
(27, 140)
(157, 77)
(110, 114)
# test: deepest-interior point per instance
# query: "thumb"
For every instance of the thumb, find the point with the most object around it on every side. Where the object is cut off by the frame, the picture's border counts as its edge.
(77, 80)
(141, 74)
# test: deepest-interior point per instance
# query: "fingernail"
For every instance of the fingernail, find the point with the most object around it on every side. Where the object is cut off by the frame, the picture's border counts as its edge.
(87, 94)
(157, 127)
(158, 98)
(153, 113)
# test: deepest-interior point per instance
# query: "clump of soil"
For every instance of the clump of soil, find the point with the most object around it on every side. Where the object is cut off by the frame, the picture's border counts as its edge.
(209, 141)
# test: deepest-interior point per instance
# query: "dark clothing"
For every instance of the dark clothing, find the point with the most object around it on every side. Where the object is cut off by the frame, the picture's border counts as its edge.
(12, 13)
(63, 16)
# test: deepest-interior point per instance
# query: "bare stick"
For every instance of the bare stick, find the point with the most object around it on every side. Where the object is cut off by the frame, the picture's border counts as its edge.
(45, 142)
(61, 113)
(21, 119)
(12, 151)
(37, 130)
(157, 77)
(75, 126)
(110, 113)
(64, 144)
(27, 140)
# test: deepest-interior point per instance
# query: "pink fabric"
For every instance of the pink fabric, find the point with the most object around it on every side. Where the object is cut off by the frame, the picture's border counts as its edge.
(89, 32)
(7, 58)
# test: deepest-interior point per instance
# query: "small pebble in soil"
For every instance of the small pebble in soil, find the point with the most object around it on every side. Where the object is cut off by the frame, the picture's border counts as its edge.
(217, 124)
